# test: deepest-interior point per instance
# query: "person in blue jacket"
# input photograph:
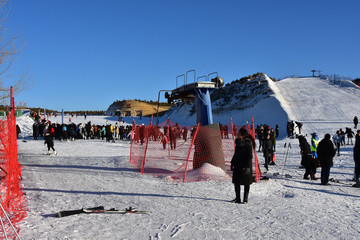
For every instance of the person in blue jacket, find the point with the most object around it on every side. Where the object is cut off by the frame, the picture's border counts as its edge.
(314, 144)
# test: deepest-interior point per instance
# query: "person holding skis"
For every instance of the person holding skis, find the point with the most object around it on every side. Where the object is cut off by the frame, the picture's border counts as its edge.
(326, 153)
(241, 164)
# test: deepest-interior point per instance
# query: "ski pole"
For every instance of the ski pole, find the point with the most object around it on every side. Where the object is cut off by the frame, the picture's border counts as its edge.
(289, 146)
(8, 219)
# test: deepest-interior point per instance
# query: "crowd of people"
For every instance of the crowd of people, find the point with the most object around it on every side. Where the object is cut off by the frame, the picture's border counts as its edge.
(70, 132)
(321, 153)
(267, 143)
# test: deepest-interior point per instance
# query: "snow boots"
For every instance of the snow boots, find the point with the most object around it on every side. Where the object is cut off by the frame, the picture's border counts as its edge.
(357, 184)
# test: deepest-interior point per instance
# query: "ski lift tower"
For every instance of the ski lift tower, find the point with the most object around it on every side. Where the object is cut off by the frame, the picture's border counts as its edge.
(200, 90)
(210, 150)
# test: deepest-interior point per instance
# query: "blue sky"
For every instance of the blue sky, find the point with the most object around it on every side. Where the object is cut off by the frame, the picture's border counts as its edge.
(86, 54)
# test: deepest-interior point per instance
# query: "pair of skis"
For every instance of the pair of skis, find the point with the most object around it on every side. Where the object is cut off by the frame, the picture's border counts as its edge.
(99, 209)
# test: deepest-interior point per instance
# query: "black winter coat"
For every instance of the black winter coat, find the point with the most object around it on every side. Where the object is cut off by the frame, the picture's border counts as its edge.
(326, 153)
(35, 130)
(241, 163)
(306, 156)
(357, 150)
(268, 148)
(48, 140)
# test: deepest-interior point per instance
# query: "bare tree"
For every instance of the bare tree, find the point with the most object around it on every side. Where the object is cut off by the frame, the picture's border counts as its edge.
(9, 50)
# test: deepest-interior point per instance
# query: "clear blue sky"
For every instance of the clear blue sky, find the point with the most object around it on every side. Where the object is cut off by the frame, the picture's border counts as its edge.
(85, 54)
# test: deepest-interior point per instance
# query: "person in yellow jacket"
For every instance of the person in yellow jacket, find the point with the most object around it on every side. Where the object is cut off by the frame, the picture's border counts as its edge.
(314, 144)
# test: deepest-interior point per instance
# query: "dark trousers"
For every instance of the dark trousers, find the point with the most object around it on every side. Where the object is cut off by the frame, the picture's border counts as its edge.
(325, 173)
(246, 192)
(309, 171)
(357, 171)
(338, 148)
(310, 168)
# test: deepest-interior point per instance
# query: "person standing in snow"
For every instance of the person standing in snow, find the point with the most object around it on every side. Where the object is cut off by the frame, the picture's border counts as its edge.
(268, 150)
(36, 130)
(350, 134)
(342, 133)
(277, 130)
(18, 131)
(299, 126)
(357, 159)
(356, 121)
(288, 129)
(184, 133)
(261, 136)
(117, 131)
(314, 144)
(326, 153)
(241, 164)
(337, 138)
(273, 137)
(49, 139)
(307, 159)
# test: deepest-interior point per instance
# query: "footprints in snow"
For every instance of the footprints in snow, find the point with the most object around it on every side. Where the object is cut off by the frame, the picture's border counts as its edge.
(170, 230)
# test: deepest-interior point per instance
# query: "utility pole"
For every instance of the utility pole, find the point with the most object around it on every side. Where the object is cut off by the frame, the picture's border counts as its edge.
(313, 72)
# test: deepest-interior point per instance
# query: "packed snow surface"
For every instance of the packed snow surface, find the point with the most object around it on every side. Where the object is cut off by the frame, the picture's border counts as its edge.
(90, 173)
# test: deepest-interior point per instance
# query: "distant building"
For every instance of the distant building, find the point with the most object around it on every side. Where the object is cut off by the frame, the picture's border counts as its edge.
(134, 108)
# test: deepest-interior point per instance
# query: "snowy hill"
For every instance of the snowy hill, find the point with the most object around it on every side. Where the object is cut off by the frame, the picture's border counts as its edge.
(302, 99)
(314, 99)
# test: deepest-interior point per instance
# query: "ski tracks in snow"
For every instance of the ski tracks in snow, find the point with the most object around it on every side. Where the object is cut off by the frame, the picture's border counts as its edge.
(169, 231)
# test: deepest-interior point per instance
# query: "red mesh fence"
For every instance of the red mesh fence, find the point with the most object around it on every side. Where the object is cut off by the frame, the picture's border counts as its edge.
(11, 195)
(186, 153)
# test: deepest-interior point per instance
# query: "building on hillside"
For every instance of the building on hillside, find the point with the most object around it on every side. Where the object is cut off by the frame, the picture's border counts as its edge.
(134, 108)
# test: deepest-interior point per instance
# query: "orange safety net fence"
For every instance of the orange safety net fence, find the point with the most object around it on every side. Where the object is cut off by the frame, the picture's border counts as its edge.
(11, 195)
(186, 153)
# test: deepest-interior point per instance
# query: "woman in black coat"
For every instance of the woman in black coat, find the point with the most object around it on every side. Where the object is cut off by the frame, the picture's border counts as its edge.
(241, 164)
(326, 153)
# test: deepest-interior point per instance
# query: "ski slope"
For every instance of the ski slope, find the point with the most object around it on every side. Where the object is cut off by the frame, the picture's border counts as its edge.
(318, 103)
(90, 173)
(315, 99)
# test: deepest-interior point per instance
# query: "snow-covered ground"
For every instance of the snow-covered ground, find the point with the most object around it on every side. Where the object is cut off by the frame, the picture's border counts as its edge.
(89, 173)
